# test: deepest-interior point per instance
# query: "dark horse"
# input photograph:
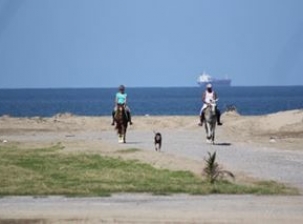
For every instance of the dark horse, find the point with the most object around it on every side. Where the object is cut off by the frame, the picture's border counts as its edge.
(121, 121)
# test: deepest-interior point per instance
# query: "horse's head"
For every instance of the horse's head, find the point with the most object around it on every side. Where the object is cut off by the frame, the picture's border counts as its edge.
(120, 107)
(121, 115)
(120, 112)
(212, 104)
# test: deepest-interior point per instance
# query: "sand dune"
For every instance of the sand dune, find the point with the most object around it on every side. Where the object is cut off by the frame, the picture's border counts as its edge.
(283, 126)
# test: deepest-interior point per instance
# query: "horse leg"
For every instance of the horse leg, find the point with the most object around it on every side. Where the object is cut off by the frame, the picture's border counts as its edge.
(124, 138)
(121, 135)
(124, 132)
(207, 129)
(120, 138)
(118, 128)
(214, 134)
(213, 137)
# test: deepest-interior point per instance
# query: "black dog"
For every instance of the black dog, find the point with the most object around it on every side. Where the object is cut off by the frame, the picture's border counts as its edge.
(158, 141)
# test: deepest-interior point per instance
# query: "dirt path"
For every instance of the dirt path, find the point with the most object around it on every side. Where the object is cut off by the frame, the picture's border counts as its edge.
(125, 208)
(266, 163)
(184, 147)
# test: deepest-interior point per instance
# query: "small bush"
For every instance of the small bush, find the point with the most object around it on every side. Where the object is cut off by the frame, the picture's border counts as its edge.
(213, 171)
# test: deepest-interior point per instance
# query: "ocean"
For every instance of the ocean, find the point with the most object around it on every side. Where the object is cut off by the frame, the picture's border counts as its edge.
(146, 101)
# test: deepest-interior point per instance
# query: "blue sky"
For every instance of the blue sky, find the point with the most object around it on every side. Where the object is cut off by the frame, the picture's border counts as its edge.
(140, 43)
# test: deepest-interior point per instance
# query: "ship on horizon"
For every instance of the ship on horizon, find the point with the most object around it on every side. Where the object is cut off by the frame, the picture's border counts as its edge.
(205, 78)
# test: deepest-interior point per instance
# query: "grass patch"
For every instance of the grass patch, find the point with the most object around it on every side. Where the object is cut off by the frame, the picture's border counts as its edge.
(130, 150)
(47, 171)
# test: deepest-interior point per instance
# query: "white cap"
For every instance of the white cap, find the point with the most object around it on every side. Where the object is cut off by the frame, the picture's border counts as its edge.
(209, 85)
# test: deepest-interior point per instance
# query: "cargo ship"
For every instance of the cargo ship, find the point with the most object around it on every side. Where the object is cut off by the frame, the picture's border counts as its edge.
(205, 78)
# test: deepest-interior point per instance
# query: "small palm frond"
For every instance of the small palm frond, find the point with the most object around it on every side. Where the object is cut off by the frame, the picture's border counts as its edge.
(213, 171)
(224, 173)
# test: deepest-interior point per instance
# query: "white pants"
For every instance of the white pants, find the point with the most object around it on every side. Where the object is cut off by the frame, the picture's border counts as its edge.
(203, 108)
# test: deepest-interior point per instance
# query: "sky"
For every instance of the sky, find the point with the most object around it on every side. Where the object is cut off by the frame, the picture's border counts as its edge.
(149, 43)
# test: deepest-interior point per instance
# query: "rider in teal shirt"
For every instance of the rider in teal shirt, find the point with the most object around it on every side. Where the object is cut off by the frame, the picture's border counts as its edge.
(120, 98)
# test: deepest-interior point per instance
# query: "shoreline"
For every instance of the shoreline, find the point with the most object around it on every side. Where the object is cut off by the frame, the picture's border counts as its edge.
(69, 114)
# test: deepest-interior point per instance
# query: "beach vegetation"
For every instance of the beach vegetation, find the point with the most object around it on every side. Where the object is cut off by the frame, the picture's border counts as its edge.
(52, 171)
(213, 171)
(130, 150)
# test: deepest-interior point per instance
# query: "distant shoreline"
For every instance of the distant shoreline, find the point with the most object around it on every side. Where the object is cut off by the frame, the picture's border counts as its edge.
(156, 101)
(67, 114)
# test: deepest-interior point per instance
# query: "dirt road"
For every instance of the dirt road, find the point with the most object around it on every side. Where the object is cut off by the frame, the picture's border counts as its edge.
(143, 208)
(183, 148)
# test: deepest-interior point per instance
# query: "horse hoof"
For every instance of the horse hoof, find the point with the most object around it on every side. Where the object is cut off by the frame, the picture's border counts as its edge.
(120, 140)
(210, 141)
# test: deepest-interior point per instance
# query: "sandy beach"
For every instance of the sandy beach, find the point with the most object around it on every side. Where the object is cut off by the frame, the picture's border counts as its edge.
(268, 147)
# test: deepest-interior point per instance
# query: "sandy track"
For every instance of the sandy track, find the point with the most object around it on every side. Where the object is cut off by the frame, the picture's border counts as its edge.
(247, 146)
(125, 208)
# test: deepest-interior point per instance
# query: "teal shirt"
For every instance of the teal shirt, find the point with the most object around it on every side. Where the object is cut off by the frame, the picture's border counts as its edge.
(121, 98)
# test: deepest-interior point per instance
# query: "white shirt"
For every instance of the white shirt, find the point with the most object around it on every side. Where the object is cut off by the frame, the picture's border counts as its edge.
(209, 96)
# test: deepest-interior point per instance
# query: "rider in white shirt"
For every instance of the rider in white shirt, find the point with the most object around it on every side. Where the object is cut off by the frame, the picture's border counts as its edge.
(208, 96)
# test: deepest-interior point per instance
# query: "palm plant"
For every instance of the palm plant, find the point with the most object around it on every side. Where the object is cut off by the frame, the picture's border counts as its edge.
(213, 171)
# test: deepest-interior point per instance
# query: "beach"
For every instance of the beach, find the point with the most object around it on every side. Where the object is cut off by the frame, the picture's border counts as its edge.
(267, 147)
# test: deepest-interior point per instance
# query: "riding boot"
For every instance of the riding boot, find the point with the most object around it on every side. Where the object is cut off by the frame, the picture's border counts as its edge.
(129, 118)
(113, 116)
(201, 119)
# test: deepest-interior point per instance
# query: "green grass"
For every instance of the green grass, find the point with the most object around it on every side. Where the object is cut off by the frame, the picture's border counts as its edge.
(130, 150)
(48, 171)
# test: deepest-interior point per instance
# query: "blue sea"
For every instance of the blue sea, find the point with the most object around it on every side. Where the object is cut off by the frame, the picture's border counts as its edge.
(143, 101)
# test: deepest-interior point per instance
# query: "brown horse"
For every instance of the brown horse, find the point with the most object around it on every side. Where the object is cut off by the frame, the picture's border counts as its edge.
(121, 121)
